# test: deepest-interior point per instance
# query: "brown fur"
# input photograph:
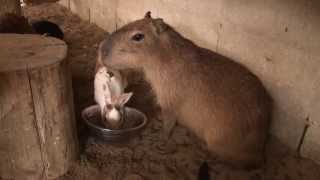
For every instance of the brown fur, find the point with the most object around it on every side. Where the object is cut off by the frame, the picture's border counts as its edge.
(217, 98)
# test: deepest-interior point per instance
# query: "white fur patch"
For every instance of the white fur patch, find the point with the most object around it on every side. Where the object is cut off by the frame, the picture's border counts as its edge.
(113, 116)
(106, 87)
(102, 92)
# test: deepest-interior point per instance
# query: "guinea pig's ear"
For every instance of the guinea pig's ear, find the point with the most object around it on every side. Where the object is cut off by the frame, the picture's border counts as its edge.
(124, 98)
(148, 15)
(159, 25)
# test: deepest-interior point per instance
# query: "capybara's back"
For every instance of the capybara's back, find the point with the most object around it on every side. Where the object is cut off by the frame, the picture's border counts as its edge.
(218, 99)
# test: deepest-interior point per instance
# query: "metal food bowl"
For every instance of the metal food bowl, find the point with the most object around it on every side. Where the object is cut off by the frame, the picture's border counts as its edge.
(135, 118)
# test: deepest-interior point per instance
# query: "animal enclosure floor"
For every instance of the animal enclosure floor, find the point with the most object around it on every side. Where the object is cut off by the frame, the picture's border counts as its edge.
(148, 156)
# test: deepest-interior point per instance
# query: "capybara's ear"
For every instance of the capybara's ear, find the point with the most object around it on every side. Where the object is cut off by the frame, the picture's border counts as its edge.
(159, 25)
(148, 15)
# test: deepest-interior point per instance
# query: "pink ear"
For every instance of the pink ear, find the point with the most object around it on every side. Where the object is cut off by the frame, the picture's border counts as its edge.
(124, 98)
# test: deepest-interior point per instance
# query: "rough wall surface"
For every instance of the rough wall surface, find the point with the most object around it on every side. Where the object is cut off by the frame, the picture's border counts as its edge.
(277, 40)
(10, 6)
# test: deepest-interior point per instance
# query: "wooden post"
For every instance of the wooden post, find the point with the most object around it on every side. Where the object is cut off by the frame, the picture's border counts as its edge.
(11, 6)
(37, 126)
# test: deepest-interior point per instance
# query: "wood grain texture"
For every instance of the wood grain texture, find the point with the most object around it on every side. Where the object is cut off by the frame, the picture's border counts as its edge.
(37, 124)
(29, 51)
(54, 117)
(19, 146)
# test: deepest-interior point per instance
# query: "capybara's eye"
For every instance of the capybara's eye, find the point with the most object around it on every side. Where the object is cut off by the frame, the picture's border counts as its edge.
(138, 37)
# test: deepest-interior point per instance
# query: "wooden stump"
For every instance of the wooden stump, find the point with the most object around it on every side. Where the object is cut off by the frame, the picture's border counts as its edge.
(37, 125)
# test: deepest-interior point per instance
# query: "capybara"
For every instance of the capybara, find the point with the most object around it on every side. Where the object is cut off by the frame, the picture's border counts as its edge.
(220, 100)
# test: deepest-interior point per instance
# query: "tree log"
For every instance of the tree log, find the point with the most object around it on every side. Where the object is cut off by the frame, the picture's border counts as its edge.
(37, 126)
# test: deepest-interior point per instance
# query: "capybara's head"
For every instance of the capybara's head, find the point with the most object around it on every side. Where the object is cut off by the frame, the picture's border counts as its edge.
(134, 44)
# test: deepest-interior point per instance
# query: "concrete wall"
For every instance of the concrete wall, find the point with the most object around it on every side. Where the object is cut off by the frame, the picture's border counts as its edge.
(279, 40)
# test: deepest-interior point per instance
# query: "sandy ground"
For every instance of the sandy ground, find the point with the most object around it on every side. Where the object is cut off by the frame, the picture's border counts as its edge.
(148, 156)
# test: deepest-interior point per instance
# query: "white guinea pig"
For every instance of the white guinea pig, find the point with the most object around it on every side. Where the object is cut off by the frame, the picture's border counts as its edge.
(109, 94)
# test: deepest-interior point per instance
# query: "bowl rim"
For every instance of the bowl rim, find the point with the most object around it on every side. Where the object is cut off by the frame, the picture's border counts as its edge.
(116, 131)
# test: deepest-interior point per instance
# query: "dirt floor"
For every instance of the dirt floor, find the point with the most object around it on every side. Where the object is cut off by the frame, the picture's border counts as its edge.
(148, 156)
